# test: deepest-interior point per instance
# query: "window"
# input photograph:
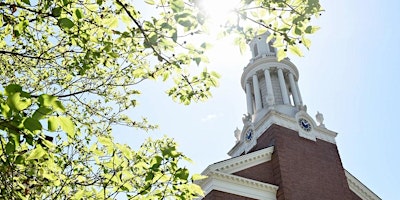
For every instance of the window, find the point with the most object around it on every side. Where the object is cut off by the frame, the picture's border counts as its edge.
(271, 48)
(255, 50)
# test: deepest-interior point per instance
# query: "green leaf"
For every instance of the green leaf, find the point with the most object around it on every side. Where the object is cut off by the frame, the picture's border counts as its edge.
(41, 113)
(149, 176)
(5, 110)
(15, 138)
(65, 23)
(32, 124)
(10, 148)
(57, 105)
(311, 29)
(150, 2)
(241, 43)
(196, 177)
(206, 45)
(297, 31)
(295, 50)
(27, 2)
(78, 13)
(281, 54)
(48, 143)
(50, 177)
(112, 22)
(56, 12)
(46, 100)
(13, 88)
(306, 42)
(79, 194)
(125, 151)
(182, 173)
(53, 123)
(36, 153)
(155, 162)
(15, 101)
(177, 5)
(67, 125)
(105, 141)
(197, 60)
(215, 74)
(175, 36)
(196, 189)
(19, 159)
(65, 2)
(165, 76)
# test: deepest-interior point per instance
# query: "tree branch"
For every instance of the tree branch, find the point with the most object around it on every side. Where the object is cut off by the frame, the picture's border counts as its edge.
(22, 55)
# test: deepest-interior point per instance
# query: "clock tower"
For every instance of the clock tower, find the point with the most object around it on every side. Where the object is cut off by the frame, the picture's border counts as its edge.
(281, 153)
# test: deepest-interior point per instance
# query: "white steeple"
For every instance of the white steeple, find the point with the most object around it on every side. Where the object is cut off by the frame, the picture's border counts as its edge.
(273, 97)
(259, 46)
(269, 84)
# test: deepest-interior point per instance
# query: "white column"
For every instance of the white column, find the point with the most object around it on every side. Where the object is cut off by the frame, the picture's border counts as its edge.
(249, 99)
(293, 87)
(257, 95)
(270, 93)
(298, 92)
(282, 84)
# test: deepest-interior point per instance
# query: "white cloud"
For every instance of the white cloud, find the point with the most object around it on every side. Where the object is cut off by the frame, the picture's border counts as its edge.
(209, 117)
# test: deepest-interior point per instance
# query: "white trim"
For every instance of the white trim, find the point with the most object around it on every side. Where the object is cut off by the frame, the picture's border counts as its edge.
(275, 117)
(267, 63)
(360, 189)
(239, 186)
(242, 162)
(220, 176)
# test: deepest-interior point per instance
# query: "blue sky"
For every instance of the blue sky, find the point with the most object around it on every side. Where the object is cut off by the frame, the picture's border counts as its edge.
(351, 75)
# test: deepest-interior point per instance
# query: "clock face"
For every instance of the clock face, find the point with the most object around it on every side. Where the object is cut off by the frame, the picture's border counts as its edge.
(249, 134)
(304, 124)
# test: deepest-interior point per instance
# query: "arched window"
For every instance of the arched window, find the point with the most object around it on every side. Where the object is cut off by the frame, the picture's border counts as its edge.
(255, 50)
(271, 48)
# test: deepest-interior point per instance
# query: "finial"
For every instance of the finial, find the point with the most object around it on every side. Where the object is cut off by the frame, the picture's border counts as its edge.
(246, 118)
(237, 134)
(320, 119)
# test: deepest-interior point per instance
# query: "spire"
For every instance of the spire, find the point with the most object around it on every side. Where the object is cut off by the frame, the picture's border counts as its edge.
(273, 98)
(259, 47)
(269, 84)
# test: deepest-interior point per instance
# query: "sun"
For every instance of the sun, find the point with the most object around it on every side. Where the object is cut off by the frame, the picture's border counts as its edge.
(218, 11)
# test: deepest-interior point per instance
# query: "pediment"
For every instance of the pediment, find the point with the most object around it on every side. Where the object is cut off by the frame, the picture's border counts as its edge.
(239, 163)
(359, 188)
(221, 177)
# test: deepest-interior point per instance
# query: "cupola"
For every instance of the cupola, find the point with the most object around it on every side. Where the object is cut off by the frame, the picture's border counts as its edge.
(269, 84)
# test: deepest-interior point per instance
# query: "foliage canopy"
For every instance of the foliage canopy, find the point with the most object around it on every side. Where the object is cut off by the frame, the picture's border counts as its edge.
(69, 73)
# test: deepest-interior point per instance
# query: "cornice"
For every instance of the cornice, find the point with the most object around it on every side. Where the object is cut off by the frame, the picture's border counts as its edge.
(275, 117)
(359, 188)
(238, 185)
(242, 162)
(265, 62)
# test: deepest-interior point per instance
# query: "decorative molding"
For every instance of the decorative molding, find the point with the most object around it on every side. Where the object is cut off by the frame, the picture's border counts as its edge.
(360, 189)
(266, 63)
(275, 117)
(238, 185)
(239, 163)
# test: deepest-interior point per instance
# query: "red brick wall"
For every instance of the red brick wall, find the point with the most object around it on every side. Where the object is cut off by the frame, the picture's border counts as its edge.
(354, 196)
(218, 195)
(262, 172)
(304, 169)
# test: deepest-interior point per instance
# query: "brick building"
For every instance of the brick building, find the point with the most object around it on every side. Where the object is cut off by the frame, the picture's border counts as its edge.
(281, 153)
